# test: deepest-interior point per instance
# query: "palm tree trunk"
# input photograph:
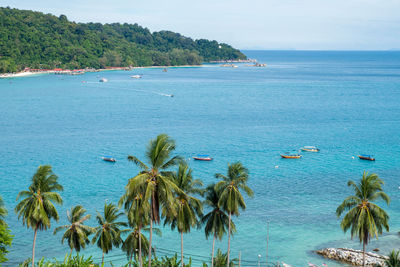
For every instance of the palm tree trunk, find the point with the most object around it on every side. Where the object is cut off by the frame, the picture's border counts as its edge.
(151, 237)
(34, 244)
(229, 238)
(364, 253)
(182, 249)
(140, 247)
(102, 259)
(70, 252)
(212, 253)
(130, 262)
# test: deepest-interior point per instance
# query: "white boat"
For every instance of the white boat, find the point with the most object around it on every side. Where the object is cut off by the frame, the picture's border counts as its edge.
(103, 80)
(136, 76)
(309, 149)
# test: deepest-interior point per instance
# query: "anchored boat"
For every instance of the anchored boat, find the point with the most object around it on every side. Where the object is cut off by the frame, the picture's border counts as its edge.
(366, 157)
(109, 159)
(309, 149)
(203, 158)
(290, 156)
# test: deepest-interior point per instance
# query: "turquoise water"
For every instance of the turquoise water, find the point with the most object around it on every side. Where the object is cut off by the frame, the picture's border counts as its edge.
(343, 102)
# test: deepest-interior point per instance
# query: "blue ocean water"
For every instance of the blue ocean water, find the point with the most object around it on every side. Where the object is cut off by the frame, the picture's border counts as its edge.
(345, 103)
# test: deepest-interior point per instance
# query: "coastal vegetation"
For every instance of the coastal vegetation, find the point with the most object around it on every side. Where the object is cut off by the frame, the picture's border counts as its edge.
(44, 41)
(37, 208)
(156, 194)
(159, 193)
(5, 233)
(364, 218)
(231, 199)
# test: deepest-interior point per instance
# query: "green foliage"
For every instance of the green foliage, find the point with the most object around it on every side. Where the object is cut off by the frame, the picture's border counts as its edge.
(394, 259)
(221, 259)
(108, 233)
(76, 232)
(236, 179)
(153, 181)
(5, 241)
(364, 218)
(37, 40)
(37, 208)
(188, 208)
(69, 261)
(216, 221)
(3, 211)
(163, 262)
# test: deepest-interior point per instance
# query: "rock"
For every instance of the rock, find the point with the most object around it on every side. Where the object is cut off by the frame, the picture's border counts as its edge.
(354, 257)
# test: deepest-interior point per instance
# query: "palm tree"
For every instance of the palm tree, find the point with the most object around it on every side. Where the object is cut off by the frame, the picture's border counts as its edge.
(108, 234)
(188, 207)
(3, 212)
(153, 179)
(393, 260)
(216, 221)
(133, 244)
(364, 218)
(231, 198)
(137, 210)
(37, 208)
(221, 260)
(76, 233)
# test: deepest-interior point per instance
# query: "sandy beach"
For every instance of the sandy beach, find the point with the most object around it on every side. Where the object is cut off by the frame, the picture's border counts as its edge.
(21, 74)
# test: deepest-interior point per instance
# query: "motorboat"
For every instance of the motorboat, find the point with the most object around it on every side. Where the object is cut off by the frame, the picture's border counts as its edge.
(290, 156)
(103, 80)
(203, 158)
(136, 76)
(109, 159)
(309, 149)
(366, 157)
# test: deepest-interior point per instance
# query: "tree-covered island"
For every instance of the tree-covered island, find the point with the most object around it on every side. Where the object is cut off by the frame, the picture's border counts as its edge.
(44, 41)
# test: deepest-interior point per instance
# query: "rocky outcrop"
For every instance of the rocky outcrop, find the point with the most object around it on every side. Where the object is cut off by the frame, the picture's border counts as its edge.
(353, 257)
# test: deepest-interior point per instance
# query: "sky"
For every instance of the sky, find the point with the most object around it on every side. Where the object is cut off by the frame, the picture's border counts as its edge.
(248, 24)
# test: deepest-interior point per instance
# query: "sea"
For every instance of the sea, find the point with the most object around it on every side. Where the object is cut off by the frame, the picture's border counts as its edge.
(344, 102)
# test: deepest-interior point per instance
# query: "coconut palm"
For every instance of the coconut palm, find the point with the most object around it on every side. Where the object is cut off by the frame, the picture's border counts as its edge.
(3, 212)
(153, 181)
(37, 208)
(393, 260)
(77, 233)
(188, 208)
(138, 211)
(131, 244)
(364, 218)
(231, 199)
(216, 221)
(221, 260)
(108, 233)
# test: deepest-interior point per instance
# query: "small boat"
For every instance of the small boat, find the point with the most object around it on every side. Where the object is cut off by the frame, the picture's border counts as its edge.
(203, 158)
(366, 157)
(309, 149)
(136, 76)
(164, 70)
(109, 159)
(103, 80)
(290, 156)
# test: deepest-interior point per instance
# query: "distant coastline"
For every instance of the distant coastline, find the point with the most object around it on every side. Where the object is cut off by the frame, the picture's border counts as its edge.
(28, 72)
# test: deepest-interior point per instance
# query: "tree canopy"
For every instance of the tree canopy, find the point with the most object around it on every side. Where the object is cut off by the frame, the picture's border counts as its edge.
(36, 40)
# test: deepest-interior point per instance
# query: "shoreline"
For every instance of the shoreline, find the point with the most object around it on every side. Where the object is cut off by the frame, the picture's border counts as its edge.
(33, 73)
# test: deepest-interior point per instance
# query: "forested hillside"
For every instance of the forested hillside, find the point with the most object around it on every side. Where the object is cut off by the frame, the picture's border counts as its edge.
(37, 40)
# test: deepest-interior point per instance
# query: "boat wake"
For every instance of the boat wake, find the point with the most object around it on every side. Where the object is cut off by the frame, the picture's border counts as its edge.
(134, 90)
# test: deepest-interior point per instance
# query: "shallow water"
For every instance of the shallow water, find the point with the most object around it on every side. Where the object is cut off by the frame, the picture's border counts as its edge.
(345, 103)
